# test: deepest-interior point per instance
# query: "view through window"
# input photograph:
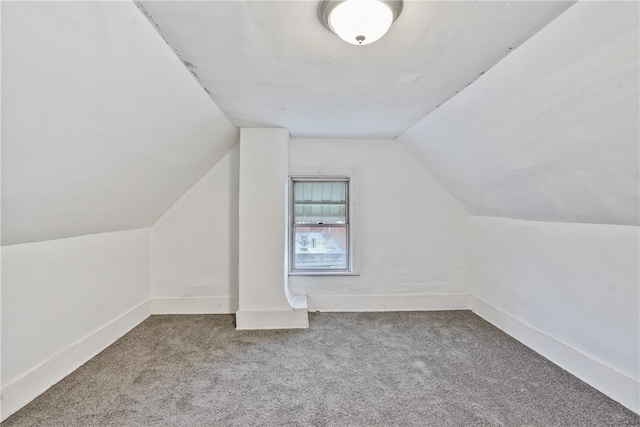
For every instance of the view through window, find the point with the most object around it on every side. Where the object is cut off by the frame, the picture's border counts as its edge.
(320, 225)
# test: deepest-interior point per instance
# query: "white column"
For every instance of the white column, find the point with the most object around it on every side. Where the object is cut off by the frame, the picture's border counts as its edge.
(264, 298)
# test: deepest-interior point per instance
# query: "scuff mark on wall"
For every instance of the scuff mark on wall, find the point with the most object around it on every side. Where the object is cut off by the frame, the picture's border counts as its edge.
(456, 92)
(508, 51)
(154, 23)
(189, 65)
(474, 79)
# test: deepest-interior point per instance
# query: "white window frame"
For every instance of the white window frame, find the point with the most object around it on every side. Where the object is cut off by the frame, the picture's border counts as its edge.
(351, 260)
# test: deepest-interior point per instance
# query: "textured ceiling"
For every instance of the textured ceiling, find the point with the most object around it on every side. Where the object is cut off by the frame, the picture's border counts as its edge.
(102, 127)
(273, 64)
(551, 132)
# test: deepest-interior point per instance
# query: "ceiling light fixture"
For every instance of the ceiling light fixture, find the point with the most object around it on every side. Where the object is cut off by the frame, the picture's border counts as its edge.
(359, 22)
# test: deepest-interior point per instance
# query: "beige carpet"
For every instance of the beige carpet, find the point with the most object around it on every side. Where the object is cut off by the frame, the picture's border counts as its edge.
(347, 369)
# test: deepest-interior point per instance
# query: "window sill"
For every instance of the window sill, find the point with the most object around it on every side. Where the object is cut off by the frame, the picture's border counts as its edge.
(324, 273)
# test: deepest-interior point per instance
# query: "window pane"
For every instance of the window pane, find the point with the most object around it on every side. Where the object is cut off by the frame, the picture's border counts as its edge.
(320, 202)
(323, 248)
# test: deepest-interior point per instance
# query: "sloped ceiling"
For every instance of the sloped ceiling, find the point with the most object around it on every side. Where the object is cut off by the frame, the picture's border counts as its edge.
(273, 63)
(103, 128)
(552, 131)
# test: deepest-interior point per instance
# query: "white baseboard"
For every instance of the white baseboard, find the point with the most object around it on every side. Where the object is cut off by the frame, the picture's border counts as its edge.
(388, 302)
(281, 319)
(615, 384)
(21, 391)
(194, 305)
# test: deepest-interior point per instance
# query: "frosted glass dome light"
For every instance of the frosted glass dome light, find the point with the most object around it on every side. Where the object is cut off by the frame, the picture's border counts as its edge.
(360, 22)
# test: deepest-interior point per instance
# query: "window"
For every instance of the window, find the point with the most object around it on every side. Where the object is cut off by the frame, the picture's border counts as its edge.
(320, 237)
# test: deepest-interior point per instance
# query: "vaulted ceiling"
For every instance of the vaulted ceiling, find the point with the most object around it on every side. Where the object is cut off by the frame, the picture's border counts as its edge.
(552, 132)
(103, 129)
(112, 110)
(274, 64)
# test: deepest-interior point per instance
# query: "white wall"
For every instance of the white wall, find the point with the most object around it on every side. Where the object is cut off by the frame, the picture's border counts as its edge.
(194, 246)
(265, 301)
(551, 132)
(65, 300)
(412, 243)
(422, 261)
(569, 291)
(123, 128)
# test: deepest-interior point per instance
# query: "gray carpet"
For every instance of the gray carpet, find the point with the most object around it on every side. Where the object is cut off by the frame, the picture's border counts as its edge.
(347, 369)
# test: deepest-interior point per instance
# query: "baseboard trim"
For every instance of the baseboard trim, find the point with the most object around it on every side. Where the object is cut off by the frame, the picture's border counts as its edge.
(23, 390)
(278, 319)
(194, 305)
(615, 384)
(436, 302)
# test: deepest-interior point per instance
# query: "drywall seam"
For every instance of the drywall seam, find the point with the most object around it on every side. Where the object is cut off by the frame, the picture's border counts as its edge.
(603, 377)
(529, 126)
(76, 236)
(149, 144)
(428, 172)
(549, 221)
(509, 52)
(426, 302)
(195, 184)
(194, 305)
(188, 65)
(36, 381)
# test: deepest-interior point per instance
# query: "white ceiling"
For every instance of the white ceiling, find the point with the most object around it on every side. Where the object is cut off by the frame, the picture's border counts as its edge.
(102, 127)
(273, 64)
(552, 132)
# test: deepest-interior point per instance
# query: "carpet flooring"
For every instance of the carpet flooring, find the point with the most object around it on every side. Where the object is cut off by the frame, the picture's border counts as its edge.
(348, 369)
